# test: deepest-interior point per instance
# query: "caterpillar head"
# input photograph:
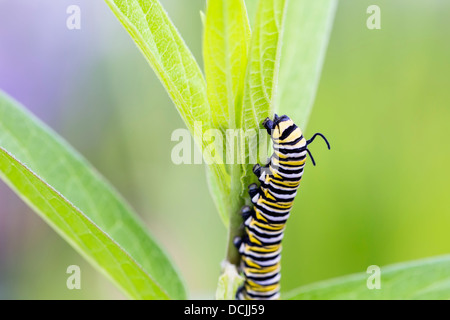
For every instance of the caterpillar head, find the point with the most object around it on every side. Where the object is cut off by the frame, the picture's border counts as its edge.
(283, 130)
(276, 127)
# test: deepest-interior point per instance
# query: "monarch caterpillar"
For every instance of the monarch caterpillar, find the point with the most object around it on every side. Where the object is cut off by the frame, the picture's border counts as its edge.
(264, 223)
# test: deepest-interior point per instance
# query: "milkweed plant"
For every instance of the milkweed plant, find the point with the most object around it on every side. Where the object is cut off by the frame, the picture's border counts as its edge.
(258, 60)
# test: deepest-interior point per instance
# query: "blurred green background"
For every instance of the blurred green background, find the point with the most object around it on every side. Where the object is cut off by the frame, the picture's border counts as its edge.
(380, 196)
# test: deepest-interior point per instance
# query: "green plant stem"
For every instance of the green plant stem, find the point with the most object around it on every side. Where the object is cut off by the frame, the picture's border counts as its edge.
(235, 228)
(230, 279)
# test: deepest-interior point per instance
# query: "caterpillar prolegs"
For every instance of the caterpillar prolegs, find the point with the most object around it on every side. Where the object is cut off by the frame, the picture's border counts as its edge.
(264, 223)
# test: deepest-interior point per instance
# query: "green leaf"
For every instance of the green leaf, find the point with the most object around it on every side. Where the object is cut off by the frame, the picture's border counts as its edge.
(203, 18)
(225, 51)
(251, 6)
(220, 192)
(162, 46)
(225, 48)
(229, 283)
(259, 90)
(421, 279)
(263, 66)
(261, 79)
(287, 50)
(160, 43)
(81, 206)
(307, 29)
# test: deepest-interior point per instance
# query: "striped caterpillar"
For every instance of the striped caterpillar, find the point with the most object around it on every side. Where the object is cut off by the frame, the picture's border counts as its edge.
(264, 223)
